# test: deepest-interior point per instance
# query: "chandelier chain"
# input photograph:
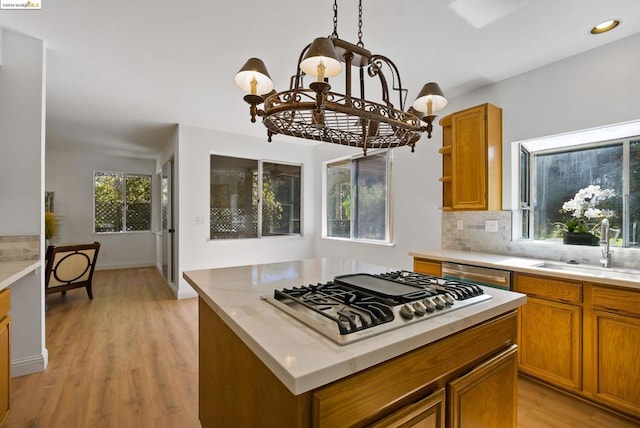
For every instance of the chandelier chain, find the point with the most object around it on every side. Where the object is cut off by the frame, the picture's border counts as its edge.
(335, 20)
(360, 43)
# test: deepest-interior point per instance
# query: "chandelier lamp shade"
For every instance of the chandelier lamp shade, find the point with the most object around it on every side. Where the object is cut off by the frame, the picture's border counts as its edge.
(317, 113)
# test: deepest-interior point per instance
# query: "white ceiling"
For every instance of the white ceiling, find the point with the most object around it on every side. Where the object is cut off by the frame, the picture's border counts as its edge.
(121, 73)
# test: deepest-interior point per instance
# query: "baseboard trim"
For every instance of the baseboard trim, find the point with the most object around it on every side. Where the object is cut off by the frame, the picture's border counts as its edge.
(186, 294)
(126, 266)
(31, 364)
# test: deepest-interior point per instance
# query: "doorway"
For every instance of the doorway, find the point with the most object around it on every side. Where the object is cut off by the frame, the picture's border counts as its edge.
(168, 230)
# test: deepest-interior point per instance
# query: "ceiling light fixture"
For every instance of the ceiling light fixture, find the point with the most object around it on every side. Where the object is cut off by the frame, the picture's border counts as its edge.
(605, 26)
(317, 113)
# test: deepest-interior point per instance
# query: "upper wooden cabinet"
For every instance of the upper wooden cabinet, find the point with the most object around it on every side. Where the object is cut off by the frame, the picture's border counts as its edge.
(472, 159)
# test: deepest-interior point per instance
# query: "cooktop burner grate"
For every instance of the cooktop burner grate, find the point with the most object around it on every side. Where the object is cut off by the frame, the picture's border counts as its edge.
(355, 306)
(350, 309)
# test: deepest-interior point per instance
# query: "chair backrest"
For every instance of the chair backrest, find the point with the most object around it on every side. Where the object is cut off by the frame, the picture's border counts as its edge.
(70, 266)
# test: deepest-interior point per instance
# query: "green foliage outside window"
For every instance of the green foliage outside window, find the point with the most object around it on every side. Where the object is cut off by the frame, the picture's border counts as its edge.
(122, 202)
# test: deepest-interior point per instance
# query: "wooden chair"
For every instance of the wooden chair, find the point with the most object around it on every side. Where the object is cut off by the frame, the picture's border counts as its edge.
(70, 266)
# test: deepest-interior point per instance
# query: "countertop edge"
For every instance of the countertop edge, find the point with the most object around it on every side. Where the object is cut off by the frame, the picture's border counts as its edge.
(10, 272)
(517, 264)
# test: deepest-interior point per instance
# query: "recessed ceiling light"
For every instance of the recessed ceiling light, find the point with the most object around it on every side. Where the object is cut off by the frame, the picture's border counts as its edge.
(605, 26)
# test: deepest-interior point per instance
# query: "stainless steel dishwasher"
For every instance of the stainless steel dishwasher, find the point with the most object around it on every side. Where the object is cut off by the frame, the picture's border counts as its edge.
(479, 275)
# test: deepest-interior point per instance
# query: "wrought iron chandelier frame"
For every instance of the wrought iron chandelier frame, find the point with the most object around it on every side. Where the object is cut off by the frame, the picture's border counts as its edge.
(317, 113)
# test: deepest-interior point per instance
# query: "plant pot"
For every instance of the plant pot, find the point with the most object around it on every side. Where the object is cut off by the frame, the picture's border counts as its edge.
(580, 238)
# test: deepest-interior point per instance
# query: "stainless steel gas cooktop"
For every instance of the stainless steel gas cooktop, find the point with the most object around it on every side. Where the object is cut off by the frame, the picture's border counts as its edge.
(356, 306)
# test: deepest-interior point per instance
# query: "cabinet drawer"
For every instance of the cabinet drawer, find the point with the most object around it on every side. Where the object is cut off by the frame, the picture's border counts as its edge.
(549, 288)
(427, 267)
(616, 300)
(5, 302)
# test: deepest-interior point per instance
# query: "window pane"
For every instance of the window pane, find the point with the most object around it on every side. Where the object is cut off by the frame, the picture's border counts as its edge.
(524, 177)
(560, 175)
(525, 192)
(371, 197)
(138, 193)
(108, 201)
(280, 199)
(234, 201)
(339, 199)
(634, 194)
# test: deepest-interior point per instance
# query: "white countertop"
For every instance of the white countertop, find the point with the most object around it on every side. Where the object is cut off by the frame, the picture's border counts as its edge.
(300, 357)
(613, 276)
(10, 272)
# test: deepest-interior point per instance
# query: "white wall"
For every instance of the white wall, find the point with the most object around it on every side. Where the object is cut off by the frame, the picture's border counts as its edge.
(22, 113)
(21, 130)
(193, 169)
(70, 176)
(596, 88)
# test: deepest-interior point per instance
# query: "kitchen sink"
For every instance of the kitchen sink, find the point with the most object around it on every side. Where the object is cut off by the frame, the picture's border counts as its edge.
(598, 271)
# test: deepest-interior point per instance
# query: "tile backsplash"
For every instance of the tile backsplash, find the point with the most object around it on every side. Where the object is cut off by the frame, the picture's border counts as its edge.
(474, 236)
(19, 248)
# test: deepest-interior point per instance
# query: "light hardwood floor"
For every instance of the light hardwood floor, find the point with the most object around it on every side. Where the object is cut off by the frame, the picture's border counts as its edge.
(129, 358)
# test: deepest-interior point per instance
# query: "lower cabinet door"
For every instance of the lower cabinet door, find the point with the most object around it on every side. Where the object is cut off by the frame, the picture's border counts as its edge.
(426, 413)
(5, 367)
(487, 395)
(550, 340)
(617, 354)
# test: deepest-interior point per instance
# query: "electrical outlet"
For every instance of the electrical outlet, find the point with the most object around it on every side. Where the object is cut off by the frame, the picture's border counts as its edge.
(491, 226)
(460, 225)
(199, 221)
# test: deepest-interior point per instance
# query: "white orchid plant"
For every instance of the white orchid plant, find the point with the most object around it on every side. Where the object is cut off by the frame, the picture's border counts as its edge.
(584, 208)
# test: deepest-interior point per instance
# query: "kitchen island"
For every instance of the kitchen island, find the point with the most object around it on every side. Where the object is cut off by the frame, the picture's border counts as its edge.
(261, 367)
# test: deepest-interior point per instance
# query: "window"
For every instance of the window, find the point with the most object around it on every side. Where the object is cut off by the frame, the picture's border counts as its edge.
(251, 198)
(122, 202)
(555, 175)
(356, 204)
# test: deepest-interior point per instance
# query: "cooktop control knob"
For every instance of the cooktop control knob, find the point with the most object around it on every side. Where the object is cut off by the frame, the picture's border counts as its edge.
(429, 305)
(448, 299)
(406, 312)
(419, 309)
(439, 302)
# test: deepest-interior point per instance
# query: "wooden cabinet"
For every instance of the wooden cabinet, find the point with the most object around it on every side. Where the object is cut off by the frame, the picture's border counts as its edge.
(472, 159)
(550, 330)
(5, 353)
(583, 338)
(613, 336)
(551, 341)
(405, 391)
(428, 267)
(486, 396)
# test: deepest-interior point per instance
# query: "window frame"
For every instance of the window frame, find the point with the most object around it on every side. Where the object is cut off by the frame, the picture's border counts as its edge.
(124, 202)
(533, 148)
(260, 179)
(388, 239)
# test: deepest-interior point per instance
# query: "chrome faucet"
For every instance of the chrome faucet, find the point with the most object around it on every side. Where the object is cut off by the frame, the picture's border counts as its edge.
(604, 244)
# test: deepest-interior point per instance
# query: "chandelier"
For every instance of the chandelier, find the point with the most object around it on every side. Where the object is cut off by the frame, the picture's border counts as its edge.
(317, 113)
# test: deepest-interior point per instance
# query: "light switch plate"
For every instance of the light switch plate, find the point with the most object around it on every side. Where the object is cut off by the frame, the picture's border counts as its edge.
(491, 225)
(460, 225)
